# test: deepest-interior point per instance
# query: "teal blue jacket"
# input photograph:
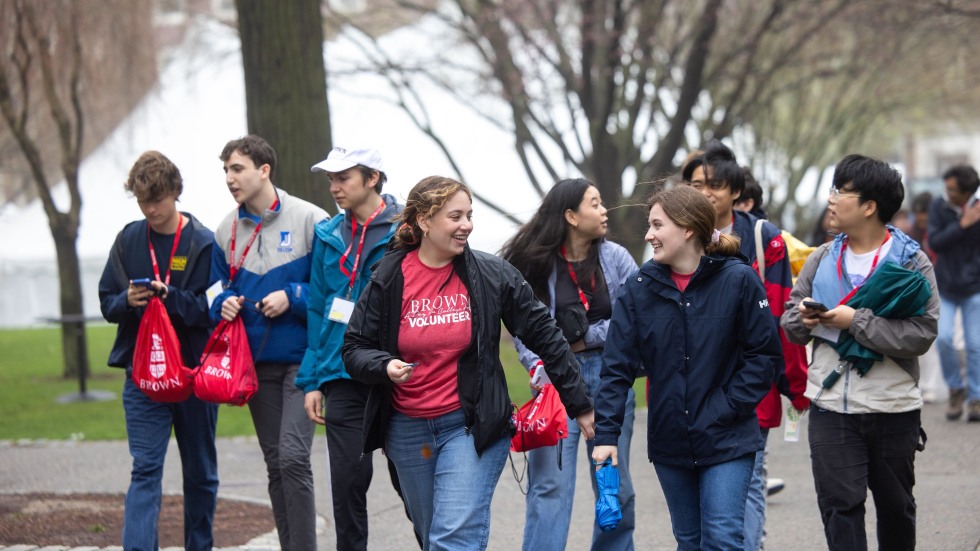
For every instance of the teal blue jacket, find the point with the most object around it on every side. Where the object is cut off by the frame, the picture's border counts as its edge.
(322, 361)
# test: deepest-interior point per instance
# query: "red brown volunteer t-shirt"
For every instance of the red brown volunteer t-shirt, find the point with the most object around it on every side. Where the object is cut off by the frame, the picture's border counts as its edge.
(435, 330)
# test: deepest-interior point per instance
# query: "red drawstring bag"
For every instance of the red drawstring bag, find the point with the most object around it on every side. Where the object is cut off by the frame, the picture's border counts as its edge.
(540, 422)
(227, 372)
(158, 367)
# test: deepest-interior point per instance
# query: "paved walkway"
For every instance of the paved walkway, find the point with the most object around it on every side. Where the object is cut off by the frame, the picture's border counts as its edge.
(947, 490)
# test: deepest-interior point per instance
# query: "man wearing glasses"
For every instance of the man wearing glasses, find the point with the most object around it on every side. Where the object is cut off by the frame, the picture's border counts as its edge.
(863, 381)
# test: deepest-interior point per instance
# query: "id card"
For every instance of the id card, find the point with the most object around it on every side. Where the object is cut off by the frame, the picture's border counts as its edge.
(341, 310)
(824, 332)
(213, 291)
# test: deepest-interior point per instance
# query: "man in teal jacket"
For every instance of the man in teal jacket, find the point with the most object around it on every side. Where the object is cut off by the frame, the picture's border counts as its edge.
(344, 250)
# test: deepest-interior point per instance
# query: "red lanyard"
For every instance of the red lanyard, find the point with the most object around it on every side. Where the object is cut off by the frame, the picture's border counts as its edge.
(571, 273)
(234, 232)
(173, 251)
(874, 263)
(352, 273)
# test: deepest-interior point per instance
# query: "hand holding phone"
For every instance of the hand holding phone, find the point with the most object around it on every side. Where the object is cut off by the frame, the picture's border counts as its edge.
(814, 305)
(143, 282)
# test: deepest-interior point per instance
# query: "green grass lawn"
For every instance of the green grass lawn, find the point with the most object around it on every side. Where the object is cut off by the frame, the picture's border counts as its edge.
(30, 382)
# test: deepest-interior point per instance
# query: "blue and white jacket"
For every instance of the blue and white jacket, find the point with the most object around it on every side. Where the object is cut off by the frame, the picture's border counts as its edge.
(279, 259)
(617, 265)
(323, 360)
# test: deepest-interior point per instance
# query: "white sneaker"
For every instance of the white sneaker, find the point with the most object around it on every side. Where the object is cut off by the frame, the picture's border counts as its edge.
(774, 486)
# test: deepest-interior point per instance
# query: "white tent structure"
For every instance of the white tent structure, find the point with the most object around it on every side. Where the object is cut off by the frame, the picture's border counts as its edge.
(198, 105)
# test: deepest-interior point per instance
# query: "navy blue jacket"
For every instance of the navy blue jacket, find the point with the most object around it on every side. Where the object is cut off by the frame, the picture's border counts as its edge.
(710, 353)
(185, 303)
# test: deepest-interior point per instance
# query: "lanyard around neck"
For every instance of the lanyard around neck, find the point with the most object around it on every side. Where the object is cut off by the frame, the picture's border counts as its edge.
(352, 273)
(874, 264)
(233, 269)
(173, 251)
(571, 274)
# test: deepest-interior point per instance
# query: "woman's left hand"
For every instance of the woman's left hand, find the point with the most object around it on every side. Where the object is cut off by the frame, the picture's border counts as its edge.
(586, 424)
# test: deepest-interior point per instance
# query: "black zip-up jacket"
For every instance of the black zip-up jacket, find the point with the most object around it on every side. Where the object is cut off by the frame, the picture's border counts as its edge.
(957, 251)
(186, 304)
(497, 293)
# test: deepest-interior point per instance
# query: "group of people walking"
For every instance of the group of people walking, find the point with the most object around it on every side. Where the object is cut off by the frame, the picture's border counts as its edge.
(382, 324)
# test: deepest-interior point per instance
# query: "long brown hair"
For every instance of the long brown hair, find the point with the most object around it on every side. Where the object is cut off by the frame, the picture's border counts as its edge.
(689, 209)
(426, 199)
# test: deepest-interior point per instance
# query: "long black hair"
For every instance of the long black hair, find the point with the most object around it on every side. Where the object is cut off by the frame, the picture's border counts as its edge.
(534, 247)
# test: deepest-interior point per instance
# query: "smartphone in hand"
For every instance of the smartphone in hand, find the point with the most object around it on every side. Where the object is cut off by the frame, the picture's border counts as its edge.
(143, 282)
(814, 305)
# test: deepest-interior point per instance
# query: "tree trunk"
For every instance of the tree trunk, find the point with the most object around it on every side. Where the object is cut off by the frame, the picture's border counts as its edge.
(74, 346)
(286, 89)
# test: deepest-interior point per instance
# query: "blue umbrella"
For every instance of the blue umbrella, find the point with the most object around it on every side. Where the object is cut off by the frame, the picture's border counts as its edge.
(607, 511)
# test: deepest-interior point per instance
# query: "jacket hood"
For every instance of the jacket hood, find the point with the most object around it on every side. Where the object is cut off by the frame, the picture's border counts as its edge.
(903, 247)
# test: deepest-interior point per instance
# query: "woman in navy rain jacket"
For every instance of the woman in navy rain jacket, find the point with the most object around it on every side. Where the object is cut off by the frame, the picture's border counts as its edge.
(697, 318)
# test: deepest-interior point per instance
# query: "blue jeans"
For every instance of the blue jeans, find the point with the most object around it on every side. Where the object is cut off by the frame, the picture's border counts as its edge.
(551, 491)
(446, 484)
(707, 504)
(970, 307)
(755, 506)
(148, 425)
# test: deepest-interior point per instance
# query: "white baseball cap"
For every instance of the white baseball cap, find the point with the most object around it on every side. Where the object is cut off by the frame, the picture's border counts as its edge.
(342, 158)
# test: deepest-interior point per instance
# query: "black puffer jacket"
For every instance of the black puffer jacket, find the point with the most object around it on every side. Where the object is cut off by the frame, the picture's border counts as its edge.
(497, 293)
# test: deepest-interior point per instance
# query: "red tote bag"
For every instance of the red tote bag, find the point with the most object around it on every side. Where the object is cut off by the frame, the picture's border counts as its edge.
(227, 372)
(158, 367)
(540, 422)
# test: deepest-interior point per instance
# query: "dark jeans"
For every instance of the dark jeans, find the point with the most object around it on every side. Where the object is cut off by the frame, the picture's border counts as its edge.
(350, 474)
(148, 426)
(852, 453)
(285, 435)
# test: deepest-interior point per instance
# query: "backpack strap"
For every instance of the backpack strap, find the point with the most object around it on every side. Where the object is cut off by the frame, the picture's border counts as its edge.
(760, 251)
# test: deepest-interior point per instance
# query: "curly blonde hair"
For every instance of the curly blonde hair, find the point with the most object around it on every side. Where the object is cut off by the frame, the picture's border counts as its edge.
(426, 199)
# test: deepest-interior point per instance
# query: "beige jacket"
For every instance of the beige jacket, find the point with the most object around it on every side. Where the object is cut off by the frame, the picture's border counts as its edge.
(891, 386)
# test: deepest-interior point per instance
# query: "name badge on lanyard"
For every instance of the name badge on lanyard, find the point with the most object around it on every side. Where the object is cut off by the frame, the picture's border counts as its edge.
(341, 310)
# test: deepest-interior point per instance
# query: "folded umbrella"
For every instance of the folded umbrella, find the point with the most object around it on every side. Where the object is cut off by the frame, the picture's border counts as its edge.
(607, 510)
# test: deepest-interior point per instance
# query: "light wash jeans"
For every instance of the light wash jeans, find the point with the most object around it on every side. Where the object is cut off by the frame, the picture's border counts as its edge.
(755, 506)
(948, 357)
(148, 426)
(551, 491)
(707, 504)
(446, 485)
